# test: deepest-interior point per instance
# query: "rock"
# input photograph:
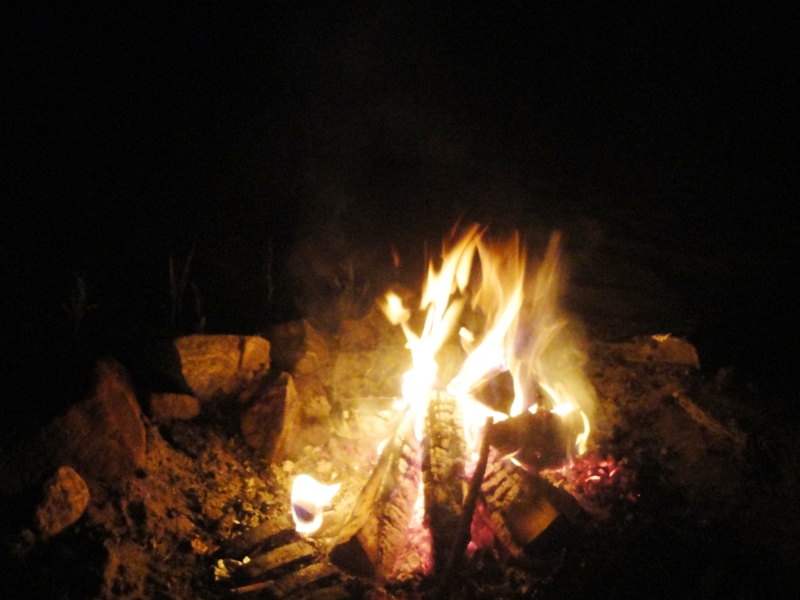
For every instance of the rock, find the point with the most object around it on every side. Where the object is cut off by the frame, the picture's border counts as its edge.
(298, 347)
(169, 407)
(66, 496)
(661, 349)
(357, 335)
(264, 420)
(103, 436)
(362, 374)
(314, 403)
(368, 333)
(286, 416)
(223, 366)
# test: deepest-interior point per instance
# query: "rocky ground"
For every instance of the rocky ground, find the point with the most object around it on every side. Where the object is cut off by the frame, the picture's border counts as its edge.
(688, 489)
(151, 460)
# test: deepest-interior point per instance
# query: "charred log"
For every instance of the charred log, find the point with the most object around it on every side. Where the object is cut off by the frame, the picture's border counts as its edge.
(443, 471)
(518, 509)
(538, 440)
(495, 391)
(375, 531)
(456, 555)
(275, 531)
(278, 560)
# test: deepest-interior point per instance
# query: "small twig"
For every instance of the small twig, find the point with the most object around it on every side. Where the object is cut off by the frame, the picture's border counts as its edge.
(253, 587)
(456, 554)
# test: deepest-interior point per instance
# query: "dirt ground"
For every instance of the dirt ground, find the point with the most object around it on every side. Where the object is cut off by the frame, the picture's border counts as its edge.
(687, 488)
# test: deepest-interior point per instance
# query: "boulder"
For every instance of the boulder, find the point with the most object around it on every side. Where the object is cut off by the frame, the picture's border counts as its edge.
(174, 407)
(103, 436)
(66, 496)
(298, 347)
(664, 349)
(265, 419)
(285, 416)
(314, 404)
(223, 366)
(370, 332)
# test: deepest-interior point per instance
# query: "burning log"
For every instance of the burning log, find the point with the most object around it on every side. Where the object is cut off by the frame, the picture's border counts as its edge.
(539, 440)
(443, 471)
(495, 391)
(371, 538)
(518, 510)
(454, 559)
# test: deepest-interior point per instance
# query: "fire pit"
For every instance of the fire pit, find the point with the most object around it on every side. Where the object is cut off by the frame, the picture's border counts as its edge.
(464, 442)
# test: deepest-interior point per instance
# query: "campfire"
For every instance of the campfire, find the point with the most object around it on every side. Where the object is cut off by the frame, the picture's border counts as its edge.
(449, 443)
(496, 383)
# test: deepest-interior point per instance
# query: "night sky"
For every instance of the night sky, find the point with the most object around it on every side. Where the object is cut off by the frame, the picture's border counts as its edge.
(132, 135)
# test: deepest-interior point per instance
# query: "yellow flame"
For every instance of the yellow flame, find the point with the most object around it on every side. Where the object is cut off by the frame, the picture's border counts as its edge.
(525, 333)
(547, 351)
(499, 299)
(309, 498)
(442, 312)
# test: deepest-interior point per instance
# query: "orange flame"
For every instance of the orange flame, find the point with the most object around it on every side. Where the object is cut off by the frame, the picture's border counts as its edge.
(524, 333)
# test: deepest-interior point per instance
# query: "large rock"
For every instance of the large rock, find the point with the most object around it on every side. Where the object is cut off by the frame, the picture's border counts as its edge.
(264, 421)
(222, 366)
(66, 496)
(103, 436)
(286, 416)
(372, 331)
(299, 348)
(169, 407)
(660, 349)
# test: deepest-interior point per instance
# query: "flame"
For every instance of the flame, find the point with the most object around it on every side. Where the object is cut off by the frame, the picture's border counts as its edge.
(499, 298)
(524, 333)
(547, 351)
(309, 498)
(442, 312)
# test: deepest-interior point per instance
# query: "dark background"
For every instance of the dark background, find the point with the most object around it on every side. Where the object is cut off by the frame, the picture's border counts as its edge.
(284, 143)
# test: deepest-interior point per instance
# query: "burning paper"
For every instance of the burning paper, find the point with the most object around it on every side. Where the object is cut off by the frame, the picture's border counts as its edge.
(309, 498)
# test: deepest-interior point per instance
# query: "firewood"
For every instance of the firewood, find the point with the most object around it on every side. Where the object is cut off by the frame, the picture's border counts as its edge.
(518, 509)
(495, 391)
(456, 555)
(277, 530)
(443, 471)
(538, 440)
(564, 503)
(313, 574)
(280, 558)
(373, 534)
(702, 418)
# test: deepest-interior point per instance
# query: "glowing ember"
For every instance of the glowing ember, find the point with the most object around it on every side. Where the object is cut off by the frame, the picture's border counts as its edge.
(309, 498)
